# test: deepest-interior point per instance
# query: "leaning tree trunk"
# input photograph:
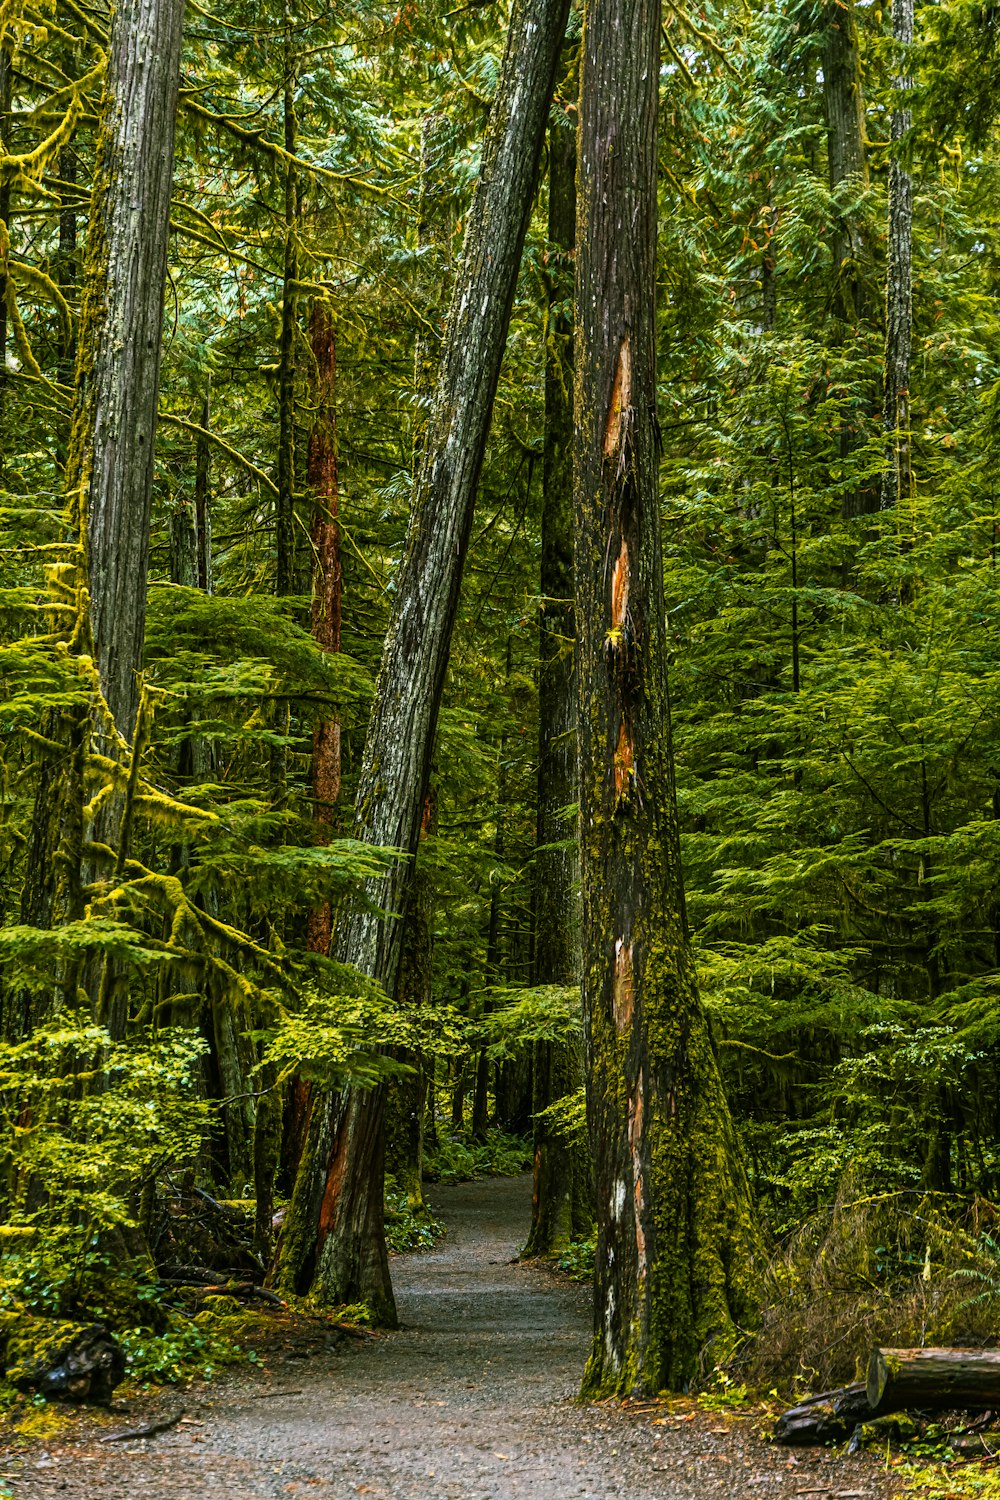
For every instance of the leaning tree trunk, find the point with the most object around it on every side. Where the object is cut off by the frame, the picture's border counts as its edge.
(334, 1243)
(109, 473)
(898, 479)
(675, 1227)
(556, 1065)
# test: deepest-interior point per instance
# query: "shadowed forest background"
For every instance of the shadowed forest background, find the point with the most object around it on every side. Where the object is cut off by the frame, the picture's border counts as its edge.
(202, 1024)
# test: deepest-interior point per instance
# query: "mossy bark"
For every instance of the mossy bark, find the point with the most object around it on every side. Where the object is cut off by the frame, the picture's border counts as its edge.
(334, 1240)
(676, 1234)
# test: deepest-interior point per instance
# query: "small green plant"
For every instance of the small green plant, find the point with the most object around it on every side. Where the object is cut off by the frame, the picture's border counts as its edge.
(723, 1393)
(577, 1261)
(407, 1228)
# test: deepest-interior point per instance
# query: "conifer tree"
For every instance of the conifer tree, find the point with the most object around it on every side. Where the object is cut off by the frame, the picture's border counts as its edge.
(109, 472)
(675, 1231)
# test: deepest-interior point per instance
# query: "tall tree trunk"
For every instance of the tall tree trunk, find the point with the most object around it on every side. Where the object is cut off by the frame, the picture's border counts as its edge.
(286, 541)
(335, 1236)
(847, 170)
(109, 471)
(675, 1227)
(202, 493)
(326, 617)
(6, 124)
(898, 479)
(556, 929)
(847, 162)
(326, 599)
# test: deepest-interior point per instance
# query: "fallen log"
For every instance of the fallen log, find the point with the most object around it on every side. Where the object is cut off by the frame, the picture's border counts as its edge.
(898, 1380)
(934, 1380)
(827, 1418)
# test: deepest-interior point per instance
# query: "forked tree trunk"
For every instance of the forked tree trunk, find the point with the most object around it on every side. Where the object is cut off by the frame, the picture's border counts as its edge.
(109, 472)
(898, 480)
(675, 1226)
(334, 1241)
(555, 925)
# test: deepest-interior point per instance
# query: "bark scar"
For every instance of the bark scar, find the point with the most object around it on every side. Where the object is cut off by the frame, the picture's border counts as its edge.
(621, 576)
(621, 402)
(624, 985)
(624, 763)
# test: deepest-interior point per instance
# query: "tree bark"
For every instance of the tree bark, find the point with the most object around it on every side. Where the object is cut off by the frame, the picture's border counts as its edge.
(675, 1227)
(335, 1237)
(109, 472)
(898, 479)
(556, 961)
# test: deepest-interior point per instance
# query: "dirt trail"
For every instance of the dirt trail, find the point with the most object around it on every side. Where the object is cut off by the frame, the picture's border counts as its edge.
(471, 1400)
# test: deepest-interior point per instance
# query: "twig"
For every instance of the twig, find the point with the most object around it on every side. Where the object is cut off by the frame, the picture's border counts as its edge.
(152, 1429)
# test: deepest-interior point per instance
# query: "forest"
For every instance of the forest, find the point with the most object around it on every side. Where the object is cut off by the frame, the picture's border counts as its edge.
(501, 665)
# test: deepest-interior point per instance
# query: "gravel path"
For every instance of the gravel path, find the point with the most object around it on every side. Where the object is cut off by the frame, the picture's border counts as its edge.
(471, 1400)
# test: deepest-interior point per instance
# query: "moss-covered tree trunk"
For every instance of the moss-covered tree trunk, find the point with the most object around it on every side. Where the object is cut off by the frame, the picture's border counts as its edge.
(334, 1241)
(898, 480)
(110, 463)
(675, 1225)
(556, 1067)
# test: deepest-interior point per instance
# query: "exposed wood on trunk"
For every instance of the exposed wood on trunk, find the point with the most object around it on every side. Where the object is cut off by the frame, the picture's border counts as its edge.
(350, 1251)
(675, 1230)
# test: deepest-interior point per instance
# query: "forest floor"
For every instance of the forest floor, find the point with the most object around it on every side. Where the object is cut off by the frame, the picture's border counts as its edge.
(471, 1400)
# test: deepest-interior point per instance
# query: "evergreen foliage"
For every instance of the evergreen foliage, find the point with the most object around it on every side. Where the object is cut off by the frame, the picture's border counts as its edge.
(834, 672)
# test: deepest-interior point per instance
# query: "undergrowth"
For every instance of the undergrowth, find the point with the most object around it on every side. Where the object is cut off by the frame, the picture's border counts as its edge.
(407, 1228)
(577, 1261)
(962, 1480)
(900, 1269)
(459, 1158)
